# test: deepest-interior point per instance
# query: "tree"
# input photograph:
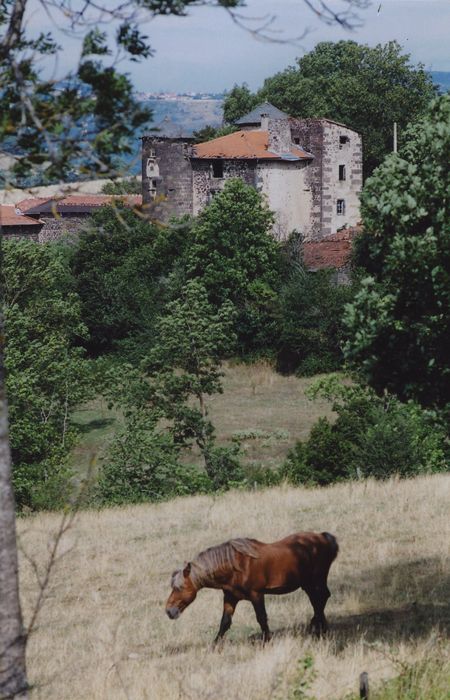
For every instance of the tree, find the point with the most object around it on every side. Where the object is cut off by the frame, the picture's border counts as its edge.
(399, 323)
(185, 363)
(46, 374)
(311, 333)
(365, 88)
(13, 679)
(238, 102)
(237, 259)
(120, 265)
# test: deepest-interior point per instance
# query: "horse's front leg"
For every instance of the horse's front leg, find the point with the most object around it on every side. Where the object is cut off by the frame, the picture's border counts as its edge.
(229, 606)
(261, 615)
(318, 597)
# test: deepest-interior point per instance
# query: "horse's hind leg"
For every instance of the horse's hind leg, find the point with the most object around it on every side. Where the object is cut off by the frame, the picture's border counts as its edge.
(229, 606)
(261, 615)
(318, 596)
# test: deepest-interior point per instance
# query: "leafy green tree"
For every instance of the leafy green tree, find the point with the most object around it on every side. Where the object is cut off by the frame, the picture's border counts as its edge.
(311, 322)
(120, 265)
(83, 123)
(238, 102)
(237, 259)
(46, 375)
(142, 461)
(184, 367)
(365, 88)
(399, 323)
(210, 132)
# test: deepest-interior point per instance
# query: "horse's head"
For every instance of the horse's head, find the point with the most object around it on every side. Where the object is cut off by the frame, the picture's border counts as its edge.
(183, 592)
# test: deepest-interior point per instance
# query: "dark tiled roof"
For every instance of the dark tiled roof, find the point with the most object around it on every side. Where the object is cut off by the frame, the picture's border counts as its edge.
(254, 117)
(332, 252)
(244, 145)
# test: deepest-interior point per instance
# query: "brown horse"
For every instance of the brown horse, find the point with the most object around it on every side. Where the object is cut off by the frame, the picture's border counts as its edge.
(245, 569)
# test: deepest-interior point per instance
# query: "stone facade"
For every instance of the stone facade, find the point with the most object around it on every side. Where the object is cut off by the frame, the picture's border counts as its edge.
(310, 171)
(62, 226)
(167, 176)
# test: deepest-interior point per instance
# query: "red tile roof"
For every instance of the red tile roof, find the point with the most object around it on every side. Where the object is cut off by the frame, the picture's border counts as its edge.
(75, 203)
(331, 252)
(243, 145)
(9, 217)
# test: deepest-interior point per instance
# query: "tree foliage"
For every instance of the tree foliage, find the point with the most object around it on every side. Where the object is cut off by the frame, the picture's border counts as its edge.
(311, 307)
(120, 265)
(238, 102)
(371, 437)
(192, 339)
(237, 259)
(399, 323)
(46, 373)
(365, 88)
(83, 123)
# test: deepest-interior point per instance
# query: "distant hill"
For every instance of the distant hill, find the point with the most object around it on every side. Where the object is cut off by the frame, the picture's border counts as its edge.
(181, 116)
(441, 79)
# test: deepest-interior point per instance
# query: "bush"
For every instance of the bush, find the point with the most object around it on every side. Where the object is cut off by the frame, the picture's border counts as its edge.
(223, 467)
(372, 437)
(142, 465)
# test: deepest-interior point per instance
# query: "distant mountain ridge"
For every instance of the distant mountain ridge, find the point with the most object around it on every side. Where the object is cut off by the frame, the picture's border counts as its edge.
(180, 115)
(441, 79)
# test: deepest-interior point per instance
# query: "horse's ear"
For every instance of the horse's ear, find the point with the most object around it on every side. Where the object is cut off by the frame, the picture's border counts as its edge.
(186, 569)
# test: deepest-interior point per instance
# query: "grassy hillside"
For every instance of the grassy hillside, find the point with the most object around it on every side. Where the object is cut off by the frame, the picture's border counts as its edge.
(103, 633)
(268, 411)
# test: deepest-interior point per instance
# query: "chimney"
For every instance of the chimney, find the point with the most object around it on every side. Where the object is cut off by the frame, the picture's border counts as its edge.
(265, 122)
(280, 140)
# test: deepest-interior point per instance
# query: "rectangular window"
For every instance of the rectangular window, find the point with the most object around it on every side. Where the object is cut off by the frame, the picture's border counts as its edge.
(342, 175)
(340, 206)
(217, 168)
(297, 140)
(343, 141)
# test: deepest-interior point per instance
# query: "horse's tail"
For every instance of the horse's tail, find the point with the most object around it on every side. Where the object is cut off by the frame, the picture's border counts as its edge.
(334, 547)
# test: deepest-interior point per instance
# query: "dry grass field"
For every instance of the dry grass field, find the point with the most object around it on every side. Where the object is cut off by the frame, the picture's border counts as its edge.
(103, 632)
(268, 411)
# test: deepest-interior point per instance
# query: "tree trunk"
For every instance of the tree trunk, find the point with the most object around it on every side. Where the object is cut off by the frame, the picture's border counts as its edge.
(13, 679)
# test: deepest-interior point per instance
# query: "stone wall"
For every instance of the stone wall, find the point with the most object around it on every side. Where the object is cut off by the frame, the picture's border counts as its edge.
(308, 134)
(205, 185)
(166, 177)
(287, 195)
(29, 233)
(349, 156)
(66, 226)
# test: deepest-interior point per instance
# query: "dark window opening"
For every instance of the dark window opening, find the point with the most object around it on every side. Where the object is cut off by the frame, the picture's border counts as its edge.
(152, 189)
(343, 141)
(342, 175)
(340, 206)
(217, 168)
(297, 140)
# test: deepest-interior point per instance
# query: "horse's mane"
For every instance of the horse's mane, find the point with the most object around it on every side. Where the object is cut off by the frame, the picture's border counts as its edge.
(207, 565)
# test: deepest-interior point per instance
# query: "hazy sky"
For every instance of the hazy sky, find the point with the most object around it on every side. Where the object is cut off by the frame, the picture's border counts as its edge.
(206, 51)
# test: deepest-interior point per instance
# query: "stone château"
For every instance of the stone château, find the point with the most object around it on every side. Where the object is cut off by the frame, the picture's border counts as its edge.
(310, 171)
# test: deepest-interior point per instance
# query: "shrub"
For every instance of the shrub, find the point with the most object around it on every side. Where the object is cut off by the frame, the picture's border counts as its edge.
(142, 465)
(372, 436)
(223, 467)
